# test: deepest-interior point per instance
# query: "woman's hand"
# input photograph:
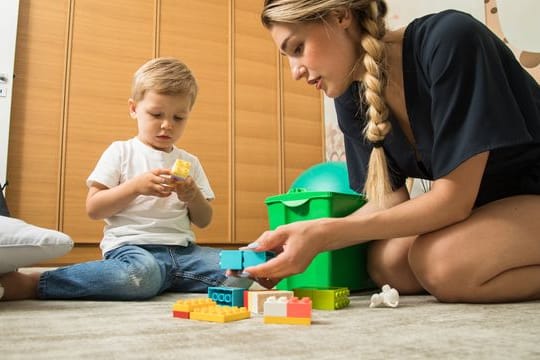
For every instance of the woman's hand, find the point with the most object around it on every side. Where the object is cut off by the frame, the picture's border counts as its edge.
(295, 244)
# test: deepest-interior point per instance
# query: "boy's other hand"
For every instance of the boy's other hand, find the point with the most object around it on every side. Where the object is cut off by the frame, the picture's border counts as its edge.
(154, 183)
(187, 190)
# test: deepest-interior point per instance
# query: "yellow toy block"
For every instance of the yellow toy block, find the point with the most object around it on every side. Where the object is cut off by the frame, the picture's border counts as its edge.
(287, 320)
(220, 313)
(189, 305)
(180, 169)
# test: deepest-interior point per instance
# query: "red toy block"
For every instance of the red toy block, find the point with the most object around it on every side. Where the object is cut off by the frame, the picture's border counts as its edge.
(181, 314)
(299, 308)
(246, 298)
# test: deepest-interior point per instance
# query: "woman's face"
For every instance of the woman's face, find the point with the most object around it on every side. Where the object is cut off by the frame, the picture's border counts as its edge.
(324, 54)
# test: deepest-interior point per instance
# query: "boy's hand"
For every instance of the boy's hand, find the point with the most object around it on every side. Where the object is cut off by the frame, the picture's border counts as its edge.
(154, 183)
(187, 190)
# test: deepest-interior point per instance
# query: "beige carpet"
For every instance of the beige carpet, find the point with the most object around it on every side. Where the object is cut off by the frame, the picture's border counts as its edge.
(420, 328)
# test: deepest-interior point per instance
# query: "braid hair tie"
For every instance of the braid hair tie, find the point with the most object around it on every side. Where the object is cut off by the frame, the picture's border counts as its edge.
(377, 144)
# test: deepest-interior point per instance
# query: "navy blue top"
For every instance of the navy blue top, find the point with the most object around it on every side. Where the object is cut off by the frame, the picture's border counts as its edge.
(465, 93)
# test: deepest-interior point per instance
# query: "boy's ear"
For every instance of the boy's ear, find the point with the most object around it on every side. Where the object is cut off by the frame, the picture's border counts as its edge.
(132, 106)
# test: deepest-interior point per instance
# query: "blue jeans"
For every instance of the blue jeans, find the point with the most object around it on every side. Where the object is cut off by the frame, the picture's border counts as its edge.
(137, 273)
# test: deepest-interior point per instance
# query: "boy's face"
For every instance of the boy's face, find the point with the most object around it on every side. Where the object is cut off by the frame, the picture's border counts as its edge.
(161, 119)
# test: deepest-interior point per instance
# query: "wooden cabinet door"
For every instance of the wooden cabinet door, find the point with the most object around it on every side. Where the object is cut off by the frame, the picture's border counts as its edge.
(197, 32)
(35, 140)
(110, 40)
(257, 159)
(303, 125)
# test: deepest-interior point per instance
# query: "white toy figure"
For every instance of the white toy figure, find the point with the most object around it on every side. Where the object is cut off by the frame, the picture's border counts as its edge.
(389, 297)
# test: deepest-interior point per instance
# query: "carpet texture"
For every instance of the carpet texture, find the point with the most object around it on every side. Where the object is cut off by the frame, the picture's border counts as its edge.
(420, 328)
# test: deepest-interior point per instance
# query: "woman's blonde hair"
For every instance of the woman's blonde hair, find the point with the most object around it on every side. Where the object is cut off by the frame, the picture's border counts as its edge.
(370, 15)
(166, 76)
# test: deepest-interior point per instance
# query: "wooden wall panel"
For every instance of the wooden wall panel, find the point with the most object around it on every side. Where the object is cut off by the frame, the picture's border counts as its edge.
(35, 133)
(197, 32)
(256, 121)
(110, 41)
(253, 127)
(303, 131)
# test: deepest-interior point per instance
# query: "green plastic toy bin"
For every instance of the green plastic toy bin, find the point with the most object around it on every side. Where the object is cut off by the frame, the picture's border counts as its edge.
(337, 268)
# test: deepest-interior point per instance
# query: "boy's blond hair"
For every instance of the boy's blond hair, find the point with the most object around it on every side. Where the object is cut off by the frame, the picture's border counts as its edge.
(166, 76)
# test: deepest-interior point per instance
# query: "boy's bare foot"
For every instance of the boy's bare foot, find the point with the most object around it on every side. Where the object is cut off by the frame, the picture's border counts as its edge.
(19, 286)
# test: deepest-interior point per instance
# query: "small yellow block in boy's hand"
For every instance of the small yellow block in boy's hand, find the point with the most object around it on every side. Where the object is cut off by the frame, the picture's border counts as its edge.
(180, 170)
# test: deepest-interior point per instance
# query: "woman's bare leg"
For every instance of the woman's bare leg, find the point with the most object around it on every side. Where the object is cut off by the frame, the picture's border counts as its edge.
(19, 286)
(388, 264)
(493, 256)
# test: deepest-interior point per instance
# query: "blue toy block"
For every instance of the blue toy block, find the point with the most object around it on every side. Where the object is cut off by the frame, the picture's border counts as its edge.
(231, 259)
(253, 258)
(241, 259)
(227, 296)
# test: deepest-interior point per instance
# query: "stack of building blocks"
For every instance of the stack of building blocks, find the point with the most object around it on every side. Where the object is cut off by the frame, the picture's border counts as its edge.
(227, 296)
(254, 299)
(292, 311)
(219, 313)
(325, 298)
(183, 308)
(241, 259)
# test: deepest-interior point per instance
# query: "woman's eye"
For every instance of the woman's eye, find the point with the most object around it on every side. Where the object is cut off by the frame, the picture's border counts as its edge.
(298, 50)
(155, 115)
(178, 118)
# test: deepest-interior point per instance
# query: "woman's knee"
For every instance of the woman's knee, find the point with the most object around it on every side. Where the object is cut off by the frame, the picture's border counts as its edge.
(435, 265)
(384, 259)
(387, 263)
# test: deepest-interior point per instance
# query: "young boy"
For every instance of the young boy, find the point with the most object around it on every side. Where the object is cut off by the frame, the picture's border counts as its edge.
(148, 246)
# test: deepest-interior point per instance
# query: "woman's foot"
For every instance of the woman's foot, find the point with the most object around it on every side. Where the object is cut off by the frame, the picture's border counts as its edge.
(19, 286)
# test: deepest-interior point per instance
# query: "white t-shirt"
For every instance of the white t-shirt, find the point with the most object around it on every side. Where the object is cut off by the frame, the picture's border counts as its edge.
(148, 219)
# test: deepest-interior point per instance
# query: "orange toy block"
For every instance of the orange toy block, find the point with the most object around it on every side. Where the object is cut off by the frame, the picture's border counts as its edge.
(299, 308)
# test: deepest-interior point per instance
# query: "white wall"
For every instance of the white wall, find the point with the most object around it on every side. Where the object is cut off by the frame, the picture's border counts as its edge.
(401, 12)
(519, 21)
(9, 10)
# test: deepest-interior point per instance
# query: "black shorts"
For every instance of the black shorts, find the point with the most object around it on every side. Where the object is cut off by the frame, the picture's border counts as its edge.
(521, 175)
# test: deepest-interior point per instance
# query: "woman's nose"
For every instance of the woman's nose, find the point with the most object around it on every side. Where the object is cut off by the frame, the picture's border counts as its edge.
(298, 71)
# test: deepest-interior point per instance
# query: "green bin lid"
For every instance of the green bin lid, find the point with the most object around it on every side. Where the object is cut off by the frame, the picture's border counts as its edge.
(298, 197)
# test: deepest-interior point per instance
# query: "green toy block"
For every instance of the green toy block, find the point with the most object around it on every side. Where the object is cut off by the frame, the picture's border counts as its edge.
(325, 298)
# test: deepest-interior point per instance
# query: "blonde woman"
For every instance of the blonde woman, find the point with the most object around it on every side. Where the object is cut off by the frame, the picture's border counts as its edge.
(442, 99)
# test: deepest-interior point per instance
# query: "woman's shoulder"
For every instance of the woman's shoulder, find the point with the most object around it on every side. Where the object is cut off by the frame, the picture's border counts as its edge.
(435, 41)
(444, 21)
(448, 27)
